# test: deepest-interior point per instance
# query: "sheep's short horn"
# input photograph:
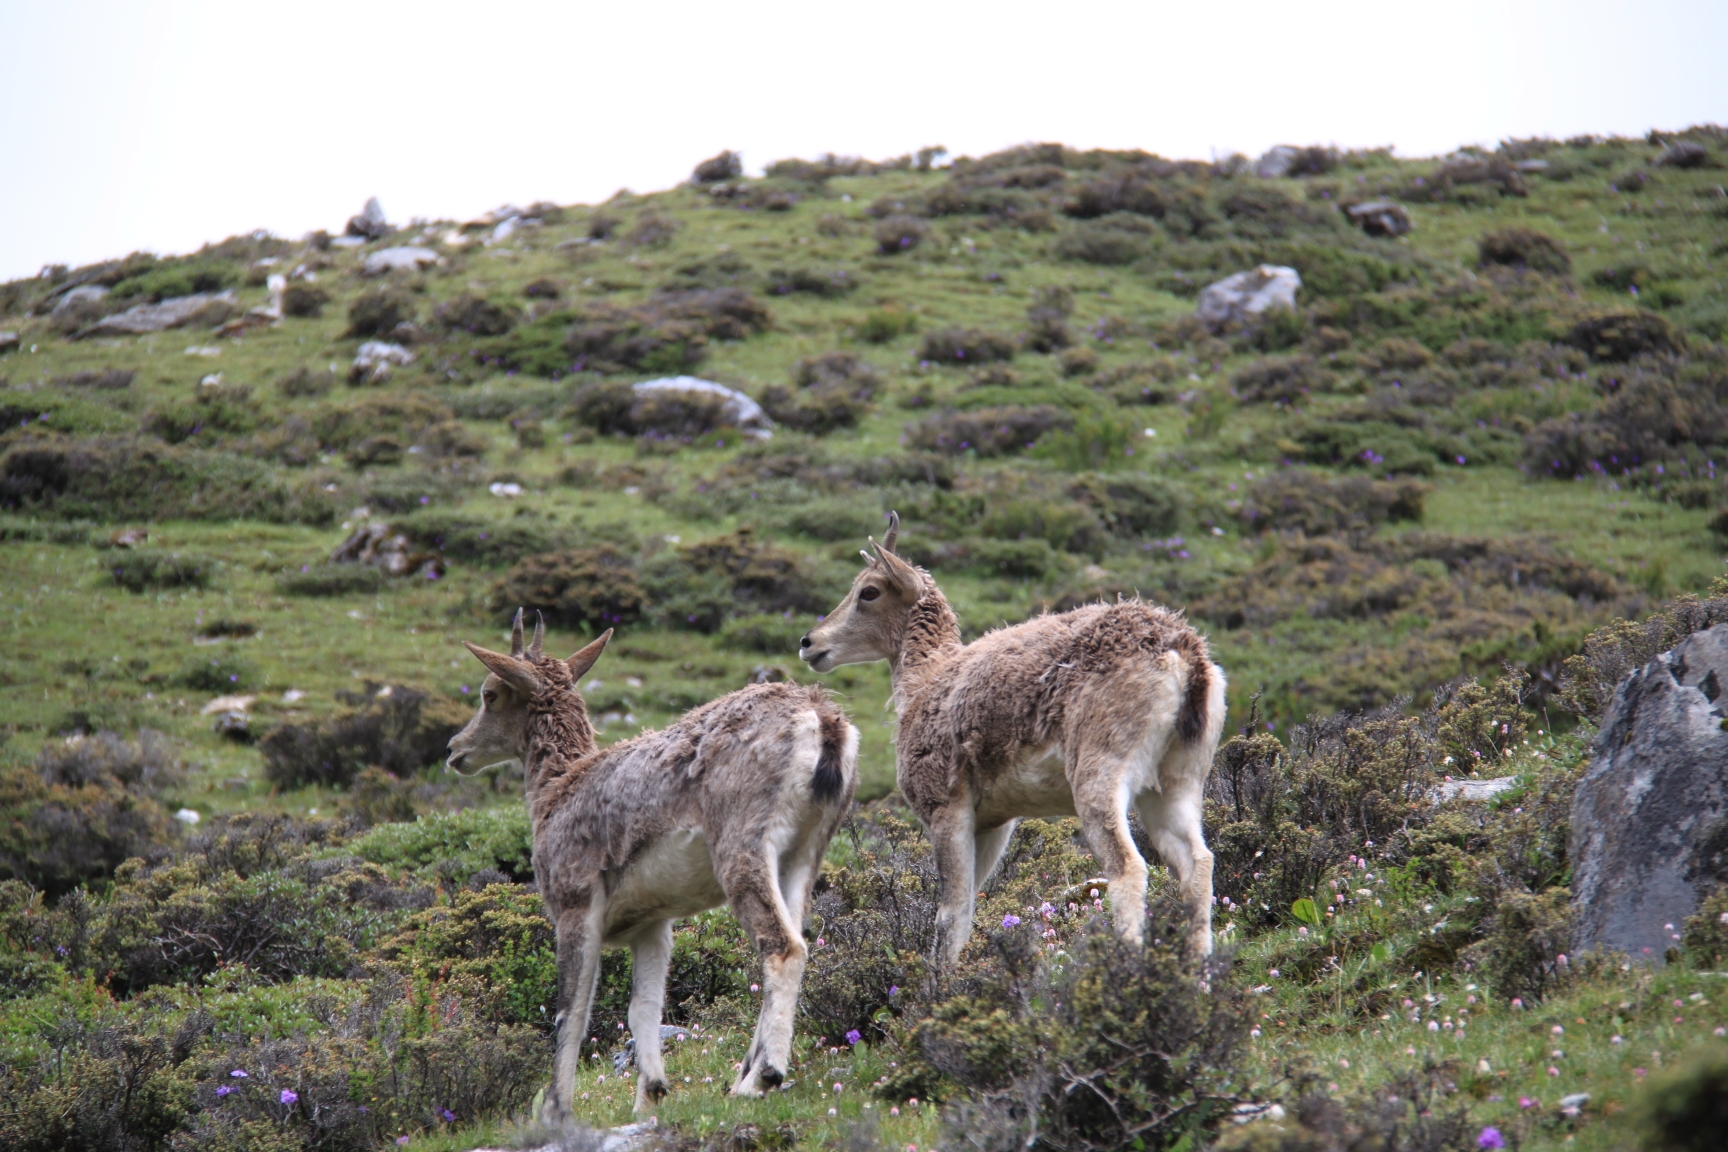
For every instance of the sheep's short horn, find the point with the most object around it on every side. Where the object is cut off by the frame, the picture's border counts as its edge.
(516, 635)
(893, 532)
(536, 650)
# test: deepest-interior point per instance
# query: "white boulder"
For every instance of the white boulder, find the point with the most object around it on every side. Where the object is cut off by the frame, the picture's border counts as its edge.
(387, 260)
(375, 358)
(1246, 295)
(370, 224)
(742, 412)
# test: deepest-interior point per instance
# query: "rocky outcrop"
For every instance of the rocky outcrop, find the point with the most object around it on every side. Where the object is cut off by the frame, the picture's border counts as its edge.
(204, 309)
(1380, 218)
(1246, 295)
(387, 260)
(1650, 818)
(370, 224)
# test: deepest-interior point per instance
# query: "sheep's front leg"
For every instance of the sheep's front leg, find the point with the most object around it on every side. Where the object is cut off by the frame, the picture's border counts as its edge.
(1173, 821)
(956, 849)
(650, 956)
(1102, 803)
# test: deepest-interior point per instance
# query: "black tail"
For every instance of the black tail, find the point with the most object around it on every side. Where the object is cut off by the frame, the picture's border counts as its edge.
(828, 780)
(1191, 718)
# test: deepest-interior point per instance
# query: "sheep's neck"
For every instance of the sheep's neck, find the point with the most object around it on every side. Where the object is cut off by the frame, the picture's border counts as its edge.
(559, 738)
(932, 632)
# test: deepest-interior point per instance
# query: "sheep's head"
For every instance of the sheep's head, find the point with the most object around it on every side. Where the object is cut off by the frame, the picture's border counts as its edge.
(499, 731)
(870, 623)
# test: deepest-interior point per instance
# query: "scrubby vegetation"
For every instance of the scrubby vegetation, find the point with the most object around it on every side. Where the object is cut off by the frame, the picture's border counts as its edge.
(1428, 519)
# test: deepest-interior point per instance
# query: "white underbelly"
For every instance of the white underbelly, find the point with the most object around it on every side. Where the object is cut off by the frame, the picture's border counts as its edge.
(673, 878)
(1036, 784)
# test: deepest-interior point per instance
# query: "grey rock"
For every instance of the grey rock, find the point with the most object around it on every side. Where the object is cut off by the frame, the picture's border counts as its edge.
(1276, 162)
(1474, 791)
(9, 342)
(370, 224)
(1247, 295)
(377, 544)
(1380, 218)
(1531, 165)
(1685, 154)
(205, 309)
(625, 1057)
(233, 724)
(76, 297)
(1650, 818)
(387, 260)
(742, 412)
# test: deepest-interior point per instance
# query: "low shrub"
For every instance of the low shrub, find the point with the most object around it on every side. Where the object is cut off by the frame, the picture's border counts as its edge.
(333, 580)
(1047, 320)
(652, 231)
(1684, 1109)
(770, 635)
(1094, 440)
(827, 518)
(1523, 248)
(490, 543)
(224, 674)
(1308, 502)
(476, 316)
(1110, 240)
(392, 727)
(965, 346)
(123, 478)
(376, 311)
(1132, 506)
(495, 943)
(456, 846)
(986, 431)
(143, 569)
(303, 381)
(897, 234)
(106, 380)
(1705, 939)
(170, 278)
(1657, 414)
(726, 166)
(84, 810)
(304, 301)
(886, 324)
(829, 283)
(834, 391)
(666, 333)
(1616, 337)
(576, 588)
(1279, 380)
(1611, 653)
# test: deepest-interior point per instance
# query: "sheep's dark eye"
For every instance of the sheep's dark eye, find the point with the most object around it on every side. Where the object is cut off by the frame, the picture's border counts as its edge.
(868, 594)
(489, 697)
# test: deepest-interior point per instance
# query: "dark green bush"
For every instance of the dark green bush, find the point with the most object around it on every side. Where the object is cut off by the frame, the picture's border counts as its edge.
(476, 316)
(392, 727)
(143, 479)
(667, 333)
(1611, 653)
(886, 324)
(455, 847)
(1657, 413)
(56, 836)
(1524, 248)
(896, 234)
(830, 283)
(1685, 1108)
(1132, 506)
(770, 635)
(965, 346)
(1318, 505)
(577, 587)
(1615, 337)
(1110, 240)
(170, 278)
(1280, 380)
(333, 580)
(833, 391)
(141, 569)
(986, 431)
(378, 310)
(478, 541)
(304, 300)
(225, 674)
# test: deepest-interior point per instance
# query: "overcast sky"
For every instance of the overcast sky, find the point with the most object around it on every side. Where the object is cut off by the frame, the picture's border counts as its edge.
(158, 125)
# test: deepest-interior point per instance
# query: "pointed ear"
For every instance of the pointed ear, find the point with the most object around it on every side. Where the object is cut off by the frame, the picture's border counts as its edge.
(516, 634)
(584, 660)
(891, 568)
(509, 669)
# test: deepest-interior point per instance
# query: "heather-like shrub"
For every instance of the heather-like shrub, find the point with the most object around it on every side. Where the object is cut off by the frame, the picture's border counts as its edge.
(830, 283)
(1279, 380)
(886, 324)
(393, 727)
(142, 569)
(986, 431)
(222, 673)
(1110, 240)
(666, 333)
(475, 315)
(1296, 499)
(1524, 248)
(495, 942)
(1131, 505)
(1685, 1108)
(1658, 413)
(378, 310)
(1615, 337)
(491, 543)
(333, 580)
(896, 234)
(964, 346)
(833, 391)
(304, 300)
(455, 846)
(726, 166)
(303, 381)
(577, 587)
(1611, 653)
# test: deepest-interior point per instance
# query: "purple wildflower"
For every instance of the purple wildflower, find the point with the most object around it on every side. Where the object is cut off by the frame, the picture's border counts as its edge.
(854, 1036)
(1490, 1138)
(289, 1096)
(1010, 921)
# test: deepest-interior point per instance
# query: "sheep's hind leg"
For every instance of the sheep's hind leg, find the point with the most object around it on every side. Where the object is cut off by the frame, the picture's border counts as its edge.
(650, 956)
(1173, 821)
(1103, 811)
(754, 892)
(579, 935)
(956, 849)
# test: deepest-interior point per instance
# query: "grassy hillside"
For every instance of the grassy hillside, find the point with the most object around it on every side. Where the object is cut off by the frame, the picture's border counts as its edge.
(1468, 447)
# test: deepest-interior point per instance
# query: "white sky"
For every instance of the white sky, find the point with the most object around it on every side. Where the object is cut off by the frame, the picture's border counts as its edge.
(158, 125)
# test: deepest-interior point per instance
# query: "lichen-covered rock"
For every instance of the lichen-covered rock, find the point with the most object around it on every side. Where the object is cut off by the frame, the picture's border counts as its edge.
(1650, 818)
(1246, 295)
(202, 309)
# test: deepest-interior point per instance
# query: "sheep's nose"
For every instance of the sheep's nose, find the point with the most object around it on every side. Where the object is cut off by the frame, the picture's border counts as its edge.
(805, 642)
